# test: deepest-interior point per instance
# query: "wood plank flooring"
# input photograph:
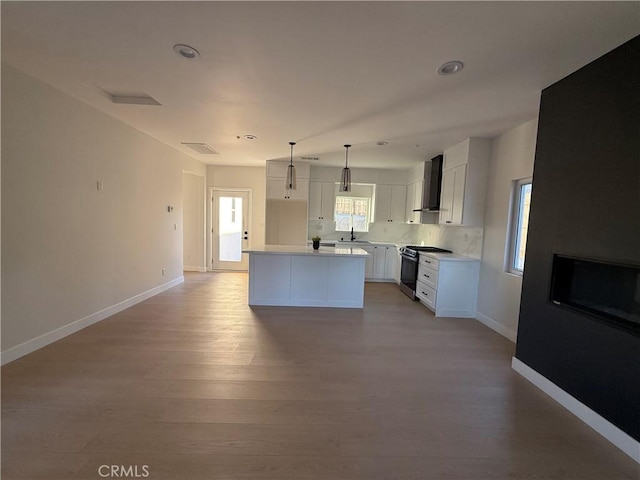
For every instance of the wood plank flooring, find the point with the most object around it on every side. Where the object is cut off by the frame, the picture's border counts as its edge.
(196, 385)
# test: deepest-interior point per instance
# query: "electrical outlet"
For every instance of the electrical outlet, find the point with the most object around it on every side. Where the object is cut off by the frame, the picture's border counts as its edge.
(163, 271)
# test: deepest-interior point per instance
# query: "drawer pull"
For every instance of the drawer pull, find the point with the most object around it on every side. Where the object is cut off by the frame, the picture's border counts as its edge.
(425, 294)
(424, 274)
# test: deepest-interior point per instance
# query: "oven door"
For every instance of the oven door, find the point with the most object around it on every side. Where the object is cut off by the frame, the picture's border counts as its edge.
(409, 276)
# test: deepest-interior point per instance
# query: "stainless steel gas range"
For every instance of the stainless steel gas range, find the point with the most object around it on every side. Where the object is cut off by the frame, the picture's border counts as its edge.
(409, 267)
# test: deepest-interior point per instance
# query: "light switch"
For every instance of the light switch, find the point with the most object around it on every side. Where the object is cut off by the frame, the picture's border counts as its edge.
(99, 186)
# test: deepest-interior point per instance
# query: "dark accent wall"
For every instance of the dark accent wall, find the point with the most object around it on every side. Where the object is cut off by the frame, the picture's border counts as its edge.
(586, 202)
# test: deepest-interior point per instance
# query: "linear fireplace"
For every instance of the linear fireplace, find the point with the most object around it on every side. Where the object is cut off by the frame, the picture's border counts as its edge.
(607, 290)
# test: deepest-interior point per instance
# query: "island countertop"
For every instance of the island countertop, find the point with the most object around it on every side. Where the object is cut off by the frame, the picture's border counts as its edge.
(306, 250)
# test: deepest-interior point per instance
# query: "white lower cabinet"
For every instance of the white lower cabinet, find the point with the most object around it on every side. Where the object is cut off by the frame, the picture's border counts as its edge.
(382, 263)
(448, 285)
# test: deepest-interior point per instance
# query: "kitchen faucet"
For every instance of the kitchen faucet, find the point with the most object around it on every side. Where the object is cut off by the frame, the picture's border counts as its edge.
(353, 237)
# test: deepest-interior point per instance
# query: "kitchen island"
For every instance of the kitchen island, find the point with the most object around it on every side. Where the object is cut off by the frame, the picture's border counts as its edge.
(304, 277)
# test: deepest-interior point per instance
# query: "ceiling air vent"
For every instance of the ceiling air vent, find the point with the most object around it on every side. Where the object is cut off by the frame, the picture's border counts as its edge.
(135, 100)
(201, 148)
(310, 158)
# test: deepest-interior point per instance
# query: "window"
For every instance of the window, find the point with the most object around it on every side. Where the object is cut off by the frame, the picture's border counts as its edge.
(352, 212)
(519, 224)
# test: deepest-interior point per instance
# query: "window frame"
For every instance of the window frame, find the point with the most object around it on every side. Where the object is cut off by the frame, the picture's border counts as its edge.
(352, 198)
(515, 225)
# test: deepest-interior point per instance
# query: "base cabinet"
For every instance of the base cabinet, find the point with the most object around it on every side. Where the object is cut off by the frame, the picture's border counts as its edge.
(381, 265)
(448, 286)
(306, 280)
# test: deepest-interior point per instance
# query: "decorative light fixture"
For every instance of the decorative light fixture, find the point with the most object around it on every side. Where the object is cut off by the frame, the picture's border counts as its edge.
(345, 180)
(291, 172)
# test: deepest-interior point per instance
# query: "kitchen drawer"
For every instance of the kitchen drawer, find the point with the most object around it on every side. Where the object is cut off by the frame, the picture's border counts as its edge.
(426, 294)
(428, 276)
(428, 261)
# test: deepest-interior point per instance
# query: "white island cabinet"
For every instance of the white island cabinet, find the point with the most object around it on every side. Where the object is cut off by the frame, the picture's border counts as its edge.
(448, 284)
(303, 277)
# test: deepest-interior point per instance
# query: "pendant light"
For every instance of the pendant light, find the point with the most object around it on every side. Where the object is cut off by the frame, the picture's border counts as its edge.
(345, 180)
(291, 172)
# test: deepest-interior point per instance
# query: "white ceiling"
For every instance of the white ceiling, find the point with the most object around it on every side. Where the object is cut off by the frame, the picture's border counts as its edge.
(319, 73)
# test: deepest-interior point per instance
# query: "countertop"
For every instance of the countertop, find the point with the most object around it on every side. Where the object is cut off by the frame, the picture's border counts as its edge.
(451, 257)
(307, 250)
(356, 244)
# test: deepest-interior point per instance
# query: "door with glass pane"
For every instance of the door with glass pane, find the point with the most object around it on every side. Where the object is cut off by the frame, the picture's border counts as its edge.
(229, 229)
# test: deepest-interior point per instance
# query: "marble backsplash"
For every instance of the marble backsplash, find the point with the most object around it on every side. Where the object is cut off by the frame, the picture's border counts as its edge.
(461, 240)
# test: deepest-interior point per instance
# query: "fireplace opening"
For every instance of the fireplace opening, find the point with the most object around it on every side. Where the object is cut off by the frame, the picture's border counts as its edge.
(609, 291)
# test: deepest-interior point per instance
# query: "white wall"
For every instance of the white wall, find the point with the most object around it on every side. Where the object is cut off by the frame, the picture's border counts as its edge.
(193, 213)
(241, 177)
(70, 252)
(512, 157)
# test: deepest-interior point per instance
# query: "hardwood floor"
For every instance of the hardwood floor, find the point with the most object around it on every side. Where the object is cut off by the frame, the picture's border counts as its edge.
(196, 385)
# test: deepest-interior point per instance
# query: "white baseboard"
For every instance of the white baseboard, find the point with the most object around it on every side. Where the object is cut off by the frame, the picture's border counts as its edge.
(192, 268)
(624, 442)
(497, 327)
(34, 344)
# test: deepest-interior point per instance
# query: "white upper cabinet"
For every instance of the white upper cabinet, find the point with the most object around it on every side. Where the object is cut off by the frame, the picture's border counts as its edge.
(414, 201)
(464, 183)
(452, 195)
(322, 197)
(277, 168)
(276, 189)
(391, 202)
(276, 179)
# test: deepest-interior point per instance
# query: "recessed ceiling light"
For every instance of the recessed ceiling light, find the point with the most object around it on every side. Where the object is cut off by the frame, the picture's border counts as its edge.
(186, 51)
(250, 137)
(381, 143)
(450, 68)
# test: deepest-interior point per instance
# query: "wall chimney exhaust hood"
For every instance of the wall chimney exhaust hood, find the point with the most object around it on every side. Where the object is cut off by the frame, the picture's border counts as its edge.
(432, 185)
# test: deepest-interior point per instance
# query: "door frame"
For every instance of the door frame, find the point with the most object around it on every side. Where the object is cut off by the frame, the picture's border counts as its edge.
(249, 191)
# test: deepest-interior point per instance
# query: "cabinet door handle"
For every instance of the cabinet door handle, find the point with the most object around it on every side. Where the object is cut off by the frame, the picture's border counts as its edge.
(447, 221)
(424, 274)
